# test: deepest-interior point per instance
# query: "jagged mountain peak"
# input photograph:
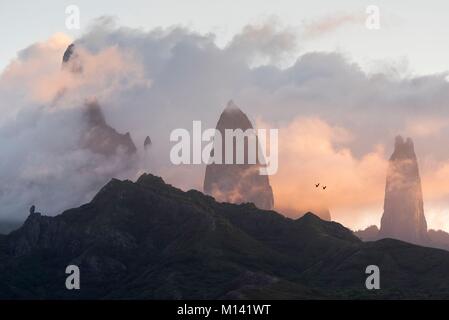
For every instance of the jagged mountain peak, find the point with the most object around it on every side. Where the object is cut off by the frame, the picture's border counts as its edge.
(147, 179)
(100, 137)
(310, 216)
(403, 149)
(233, 117)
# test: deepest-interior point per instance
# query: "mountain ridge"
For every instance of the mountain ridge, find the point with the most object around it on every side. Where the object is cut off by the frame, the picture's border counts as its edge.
(149, 240)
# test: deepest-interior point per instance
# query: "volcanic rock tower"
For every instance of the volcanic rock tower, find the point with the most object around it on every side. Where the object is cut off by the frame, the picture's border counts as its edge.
(237, 183)
(403, 216)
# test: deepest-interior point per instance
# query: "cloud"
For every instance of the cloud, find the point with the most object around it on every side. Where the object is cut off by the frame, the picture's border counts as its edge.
(426, 126)
(267, 43)
(316, 152)
(330, 24)
(43, 161)
(337, 124)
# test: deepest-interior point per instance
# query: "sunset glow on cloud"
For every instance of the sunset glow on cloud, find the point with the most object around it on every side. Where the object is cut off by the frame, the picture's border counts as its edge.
(336, 123)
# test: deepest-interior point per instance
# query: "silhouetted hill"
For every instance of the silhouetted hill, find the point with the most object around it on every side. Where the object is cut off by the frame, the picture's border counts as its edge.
(438, 239)
(435, 238)
(149, 240)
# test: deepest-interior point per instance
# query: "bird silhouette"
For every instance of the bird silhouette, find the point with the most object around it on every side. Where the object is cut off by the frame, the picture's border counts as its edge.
(324, 188)
(317, 185)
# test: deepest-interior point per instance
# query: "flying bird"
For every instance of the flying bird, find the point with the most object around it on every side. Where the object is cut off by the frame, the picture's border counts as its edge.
(324, 188)
(317, 185)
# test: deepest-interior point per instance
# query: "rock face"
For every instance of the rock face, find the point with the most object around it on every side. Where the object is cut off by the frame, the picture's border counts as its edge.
(147, 143)
(403, 216)
(101, 138)
(68, 53)
(71, 60)
(237, 183)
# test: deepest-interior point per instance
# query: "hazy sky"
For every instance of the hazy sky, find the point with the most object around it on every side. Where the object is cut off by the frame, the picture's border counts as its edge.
(412, 33)
(342, 94)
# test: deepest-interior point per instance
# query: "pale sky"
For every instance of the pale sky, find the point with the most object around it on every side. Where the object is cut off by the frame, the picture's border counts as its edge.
(413, 33)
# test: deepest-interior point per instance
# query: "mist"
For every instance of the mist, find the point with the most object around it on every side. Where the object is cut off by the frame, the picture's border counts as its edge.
(336, 123)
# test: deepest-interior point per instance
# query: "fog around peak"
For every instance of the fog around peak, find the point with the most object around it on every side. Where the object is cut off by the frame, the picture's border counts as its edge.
(336, 122)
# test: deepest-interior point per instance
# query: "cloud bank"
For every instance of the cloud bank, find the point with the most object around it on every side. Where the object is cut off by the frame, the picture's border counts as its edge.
(337, 124)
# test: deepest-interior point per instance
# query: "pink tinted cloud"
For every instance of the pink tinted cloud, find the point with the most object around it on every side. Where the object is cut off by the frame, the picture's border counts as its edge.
(308, 154)
(330, 24)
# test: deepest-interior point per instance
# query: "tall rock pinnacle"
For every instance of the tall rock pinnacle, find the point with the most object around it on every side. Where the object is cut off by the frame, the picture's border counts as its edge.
(237, 183)
(403, 216)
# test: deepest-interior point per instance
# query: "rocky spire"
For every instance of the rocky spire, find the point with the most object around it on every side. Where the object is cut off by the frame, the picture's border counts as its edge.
(237, 183)
(72, 60)
(403, 216)
(100, 137)
(68, 53)
(147, 143)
